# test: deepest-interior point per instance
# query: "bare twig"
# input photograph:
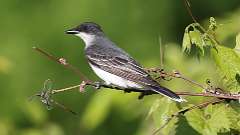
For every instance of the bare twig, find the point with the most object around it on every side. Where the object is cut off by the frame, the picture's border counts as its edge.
(174, 74)
(65, 89)
(64, 107)
(63, 62)
(187, 5)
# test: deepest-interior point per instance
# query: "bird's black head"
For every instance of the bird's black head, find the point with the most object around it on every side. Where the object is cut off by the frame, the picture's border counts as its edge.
(86, 27)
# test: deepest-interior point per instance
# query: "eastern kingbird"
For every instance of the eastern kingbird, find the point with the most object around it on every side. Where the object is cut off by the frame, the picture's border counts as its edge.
(113, 65)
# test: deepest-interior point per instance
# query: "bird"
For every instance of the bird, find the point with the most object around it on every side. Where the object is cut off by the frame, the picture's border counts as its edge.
(113, 65)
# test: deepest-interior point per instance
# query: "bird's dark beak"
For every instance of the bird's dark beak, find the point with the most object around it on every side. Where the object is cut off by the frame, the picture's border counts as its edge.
(72, 31)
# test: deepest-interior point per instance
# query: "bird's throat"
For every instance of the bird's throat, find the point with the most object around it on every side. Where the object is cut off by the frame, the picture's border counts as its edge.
(87, 38)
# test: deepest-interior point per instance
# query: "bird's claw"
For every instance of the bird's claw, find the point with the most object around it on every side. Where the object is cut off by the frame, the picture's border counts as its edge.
(97, 85)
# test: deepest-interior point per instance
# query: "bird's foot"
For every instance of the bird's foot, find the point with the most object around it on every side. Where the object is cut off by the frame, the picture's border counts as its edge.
(98, 85)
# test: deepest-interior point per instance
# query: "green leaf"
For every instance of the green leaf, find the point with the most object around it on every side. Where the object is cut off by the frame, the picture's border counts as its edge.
(196, 39)
(184, 128)
(160, 111)
(186, 45)
(234, 115)
(228, 62)
(193, 37)
(195, 119)
(214, 119)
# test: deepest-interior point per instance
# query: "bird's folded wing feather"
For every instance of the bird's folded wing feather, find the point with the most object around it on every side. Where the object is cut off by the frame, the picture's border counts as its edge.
(122, 66)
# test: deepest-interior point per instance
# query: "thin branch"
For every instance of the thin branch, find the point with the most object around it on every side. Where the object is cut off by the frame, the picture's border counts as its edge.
(174, 74)
(178, 75)
(63, 62)
(187, 5)
(128, 90)
(148, 92)
(64, 107)
(65, 89)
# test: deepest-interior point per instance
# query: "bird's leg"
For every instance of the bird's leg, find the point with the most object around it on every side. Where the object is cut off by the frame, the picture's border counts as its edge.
(145, 93)
(97, 84)
(142, 94)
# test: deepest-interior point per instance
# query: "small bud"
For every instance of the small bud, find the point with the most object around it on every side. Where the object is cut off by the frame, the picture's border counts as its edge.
(63, 61)
(176, 73)
(82, 86)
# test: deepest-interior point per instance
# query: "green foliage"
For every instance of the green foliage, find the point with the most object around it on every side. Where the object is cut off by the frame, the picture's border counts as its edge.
(234, 115)
(196, 36)
(193, 36)
(219, 118)
(228, 61)
(160, 111)
(210, 121)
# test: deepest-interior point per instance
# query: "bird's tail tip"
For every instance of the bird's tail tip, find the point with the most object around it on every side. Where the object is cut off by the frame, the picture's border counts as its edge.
(168, 93)
(179, 99)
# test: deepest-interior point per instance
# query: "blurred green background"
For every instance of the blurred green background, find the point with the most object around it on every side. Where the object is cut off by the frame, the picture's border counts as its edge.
(134, 25)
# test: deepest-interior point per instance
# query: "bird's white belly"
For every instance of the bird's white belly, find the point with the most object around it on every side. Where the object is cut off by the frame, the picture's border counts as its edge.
(113, 79)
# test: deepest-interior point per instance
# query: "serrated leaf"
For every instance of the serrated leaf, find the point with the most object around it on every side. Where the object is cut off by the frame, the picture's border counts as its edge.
(197, 39)
(194, 37)
(195, 119)
(186, 45)
(228, 61)
(160, 111)
(212, 120)
(234, 115)
(184, 128)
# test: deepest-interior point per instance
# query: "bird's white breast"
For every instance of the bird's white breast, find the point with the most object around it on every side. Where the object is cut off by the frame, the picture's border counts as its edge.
(113, 79)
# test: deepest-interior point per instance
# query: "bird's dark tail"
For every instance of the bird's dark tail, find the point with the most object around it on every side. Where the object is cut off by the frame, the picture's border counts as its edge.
(166, 92)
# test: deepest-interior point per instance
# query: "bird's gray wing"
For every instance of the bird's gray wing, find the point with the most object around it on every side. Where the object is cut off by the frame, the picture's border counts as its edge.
(122, 66)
